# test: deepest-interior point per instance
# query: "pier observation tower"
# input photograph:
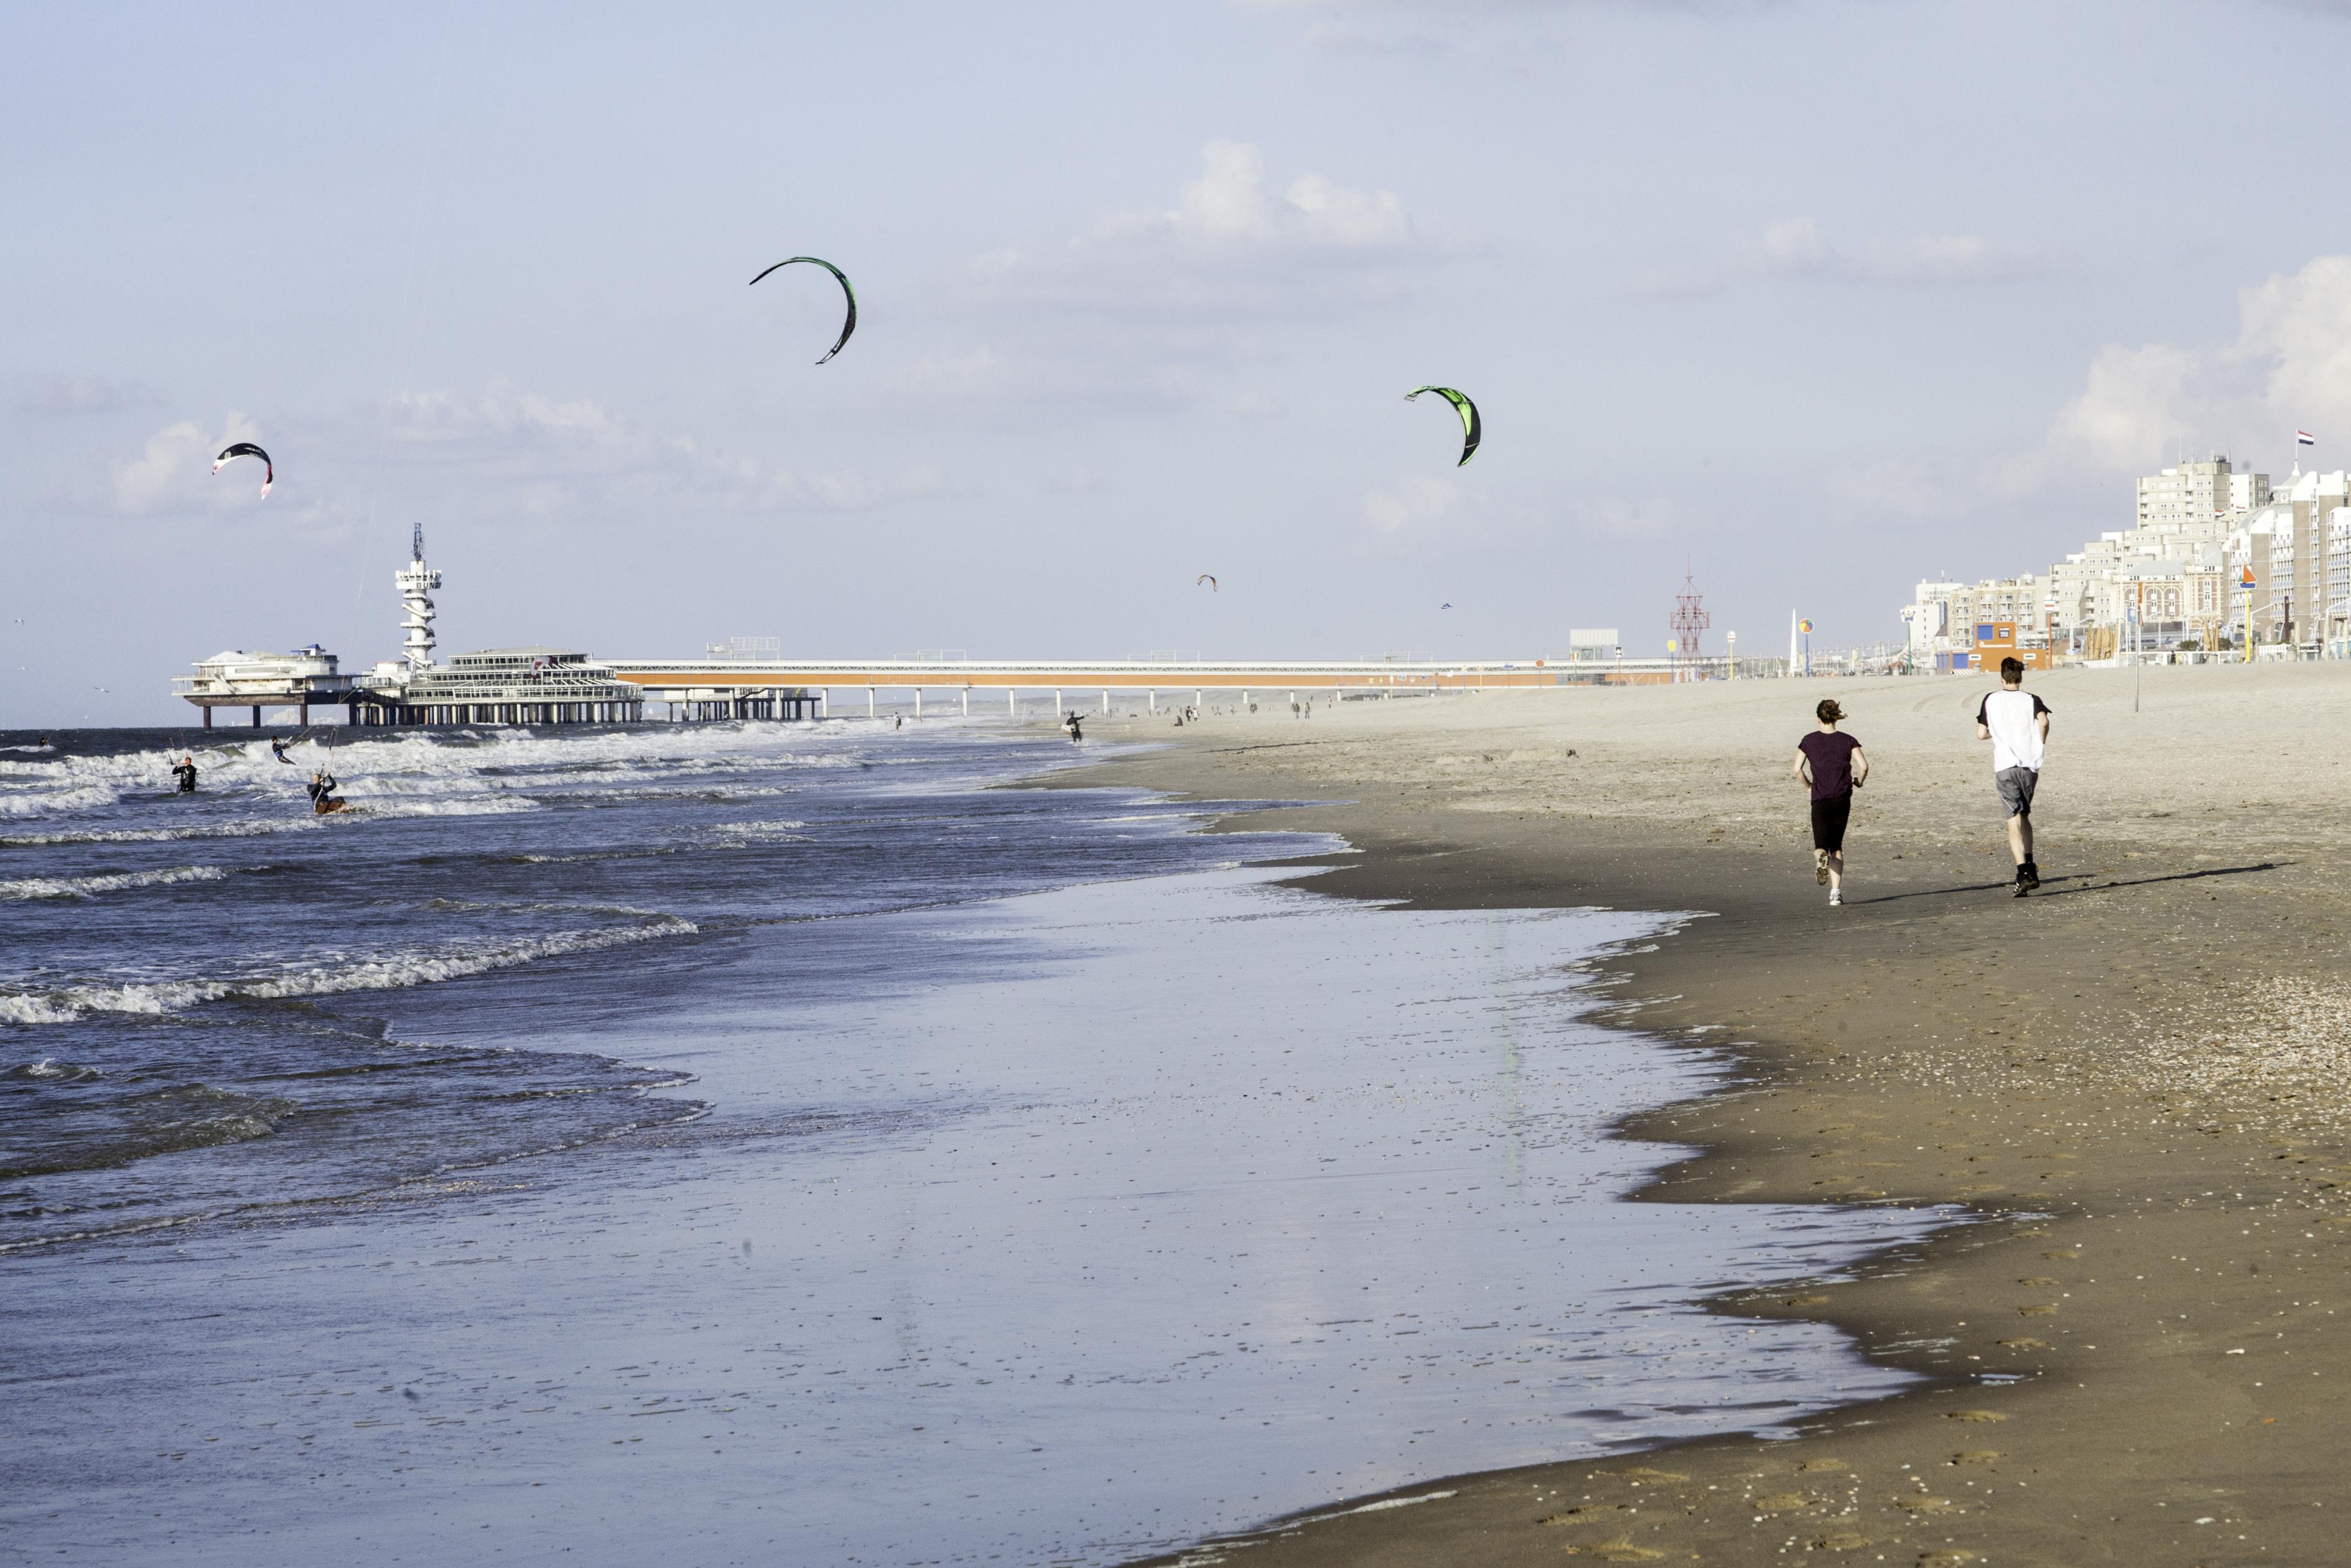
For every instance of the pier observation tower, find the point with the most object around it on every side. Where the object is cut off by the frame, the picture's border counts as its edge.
(416, 582)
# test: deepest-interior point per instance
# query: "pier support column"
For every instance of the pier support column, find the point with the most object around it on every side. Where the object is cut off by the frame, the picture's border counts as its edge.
(918, 702)
(869, 702)
(1155, 699)
(1012, 702)
(1105, 707)
(967, 702)
(256, 715)
(1199, 702)
(208, 715)
(1057, 702)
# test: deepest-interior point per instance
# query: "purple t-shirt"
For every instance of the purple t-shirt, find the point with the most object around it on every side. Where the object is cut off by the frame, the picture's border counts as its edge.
(1832, 759)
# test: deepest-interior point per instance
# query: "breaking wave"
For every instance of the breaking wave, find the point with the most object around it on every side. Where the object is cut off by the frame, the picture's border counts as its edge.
(388, 972)
(83, 886)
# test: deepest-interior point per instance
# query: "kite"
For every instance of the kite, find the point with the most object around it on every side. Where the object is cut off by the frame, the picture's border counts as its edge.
(848, 325)
(1211, 582)
(1446, 605)
(1472, 428)
(247, 449)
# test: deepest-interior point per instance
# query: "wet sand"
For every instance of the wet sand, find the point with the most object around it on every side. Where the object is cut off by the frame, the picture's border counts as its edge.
(2134, 1082)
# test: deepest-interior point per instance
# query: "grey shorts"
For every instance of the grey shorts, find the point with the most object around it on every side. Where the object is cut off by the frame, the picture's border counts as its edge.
(2015, 785)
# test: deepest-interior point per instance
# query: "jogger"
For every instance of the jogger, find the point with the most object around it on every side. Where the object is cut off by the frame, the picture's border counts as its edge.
(1834, 765)
(2016, 724)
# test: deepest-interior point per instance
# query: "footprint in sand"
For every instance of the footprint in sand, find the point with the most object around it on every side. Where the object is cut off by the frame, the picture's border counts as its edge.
(1845, 1541)
(1945, 1557)
(1927, 1505)
(1973, 1416)
(1811, 1465)
(2036, 1280)
(1621, 1549)
(1782, 1502)
(1975, 1456)
(1644, 1473)
(1588, 1513)
(2045, 1309)
(2061, 1253)
(2026, 1344)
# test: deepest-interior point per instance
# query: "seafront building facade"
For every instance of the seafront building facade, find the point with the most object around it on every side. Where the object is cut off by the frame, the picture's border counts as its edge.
(2214, 554)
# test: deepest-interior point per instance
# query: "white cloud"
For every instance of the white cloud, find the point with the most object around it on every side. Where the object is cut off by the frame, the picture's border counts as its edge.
(174, 472)
(564, 455)
(1797, 248)
(2289, 367)
(1413, 503)
(1230, 203)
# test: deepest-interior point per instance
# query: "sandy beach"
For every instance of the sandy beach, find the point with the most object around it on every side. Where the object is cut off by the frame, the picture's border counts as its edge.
(2131, 1084)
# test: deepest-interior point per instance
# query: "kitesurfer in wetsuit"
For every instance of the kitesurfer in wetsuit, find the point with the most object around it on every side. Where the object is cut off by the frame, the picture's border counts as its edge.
(185, 772)
(322, 793)
(1077, 732)
(278, 749)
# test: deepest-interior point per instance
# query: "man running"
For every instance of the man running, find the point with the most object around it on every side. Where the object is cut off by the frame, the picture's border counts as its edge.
(2016, 724)
(1835, 766)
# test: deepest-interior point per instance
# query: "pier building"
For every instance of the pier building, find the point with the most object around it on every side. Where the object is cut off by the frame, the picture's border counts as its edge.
(237, 679)
(503, 685)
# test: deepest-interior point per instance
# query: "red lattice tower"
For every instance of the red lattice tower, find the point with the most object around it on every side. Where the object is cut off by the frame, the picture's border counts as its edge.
(1689, 619)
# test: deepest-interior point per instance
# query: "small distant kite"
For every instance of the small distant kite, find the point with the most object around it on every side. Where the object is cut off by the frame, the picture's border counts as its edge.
(1446, 605)
(848, 325)
(1472, 428)
(1211, 582)
(247, 449)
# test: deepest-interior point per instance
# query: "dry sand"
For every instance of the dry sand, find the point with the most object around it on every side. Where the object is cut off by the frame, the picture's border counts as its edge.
(2134, 1080)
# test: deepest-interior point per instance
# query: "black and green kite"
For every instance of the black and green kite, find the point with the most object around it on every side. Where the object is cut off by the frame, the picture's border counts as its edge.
(1472, 428)
(846, 327)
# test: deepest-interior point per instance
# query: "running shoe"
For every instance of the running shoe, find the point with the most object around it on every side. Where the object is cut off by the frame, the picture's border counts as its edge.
(2028, 873)
(1820, 873)
(1836, 895)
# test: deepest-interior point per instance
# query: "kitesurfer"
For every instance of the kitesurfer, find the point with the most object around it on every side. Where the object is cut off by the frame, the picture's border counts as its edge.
(1077, 732)
(322, 793)
(184, 770)
(278, 749)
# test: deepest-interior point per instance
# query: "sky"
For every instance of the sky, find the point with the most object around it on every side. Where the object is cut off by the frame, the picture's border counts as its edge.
(1808, 300)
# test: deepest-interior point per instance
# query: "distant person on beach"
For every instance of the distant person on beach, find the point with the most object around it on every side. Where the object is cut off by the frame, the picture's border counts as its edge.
(185, 772)
(1835, 766)
(2016, 724)
(901, 724)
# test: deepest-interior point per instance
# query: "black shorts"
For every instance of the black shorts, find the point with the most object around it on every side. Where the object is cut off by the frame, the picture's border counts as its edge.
(1828, 823)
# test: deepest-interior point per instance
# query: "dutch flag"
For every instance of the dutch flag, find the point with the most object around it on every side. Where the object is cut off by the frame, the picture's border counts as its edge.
(2304, 438)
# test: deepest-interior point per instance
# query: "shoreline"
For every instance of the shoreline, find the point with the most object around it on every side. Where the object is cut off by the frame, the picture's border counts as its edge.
(2122, 1083)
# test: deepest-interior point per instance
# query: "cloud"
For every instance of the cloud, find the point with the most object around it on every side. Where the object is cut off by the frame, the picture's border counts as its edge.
(564, 455)
(68, 395)
(1414, 503)
(1795, 248)
(2289, 367)
(174, 471)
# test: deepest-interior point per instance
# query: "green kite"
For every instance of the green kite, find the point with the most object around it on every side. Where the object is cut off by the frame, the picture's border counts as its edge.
(846, 327)
(1472, 428)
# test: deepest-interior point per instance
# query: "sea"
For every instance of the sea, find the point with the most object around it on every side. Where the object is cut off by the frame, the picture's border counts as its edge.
(804, 1143)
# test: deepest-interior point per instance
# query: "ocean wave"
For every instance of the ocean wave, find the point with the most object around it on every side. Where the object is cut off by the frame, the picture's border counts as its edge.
(53, 802)
(83, 886)
(329, 978)
(245, 830)
(49, 1070)
(467, 806)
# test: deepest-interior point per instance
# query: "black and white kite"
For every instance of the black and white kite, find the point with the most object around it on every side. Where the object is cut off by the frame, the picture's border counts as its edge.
(247, 449)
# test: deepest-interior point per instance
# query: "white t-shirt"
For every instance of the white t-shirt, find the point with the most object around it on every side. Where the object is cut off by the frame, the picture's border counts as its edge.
(2014, 720)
